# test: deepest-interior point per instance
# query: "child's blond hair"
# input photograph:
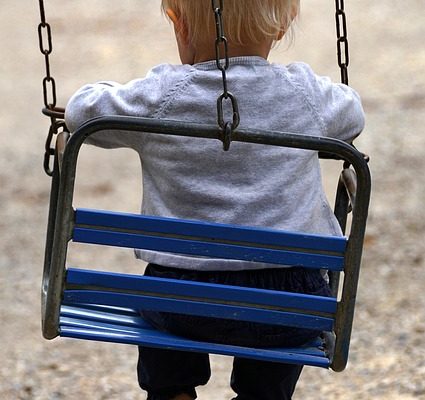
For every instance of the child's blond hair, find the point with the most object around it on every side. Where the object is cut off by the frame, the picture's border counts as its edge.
(244, 20)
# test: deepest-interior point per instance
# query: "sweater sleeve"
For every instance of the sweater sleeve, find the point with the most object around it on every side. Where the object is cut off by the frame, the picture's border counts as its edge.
(138, 98)
(96, 100)
(337, 106)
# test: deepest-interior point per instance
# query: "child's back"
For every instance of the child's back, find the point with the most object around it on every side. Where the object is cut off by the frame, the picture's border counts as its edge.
(250, 184)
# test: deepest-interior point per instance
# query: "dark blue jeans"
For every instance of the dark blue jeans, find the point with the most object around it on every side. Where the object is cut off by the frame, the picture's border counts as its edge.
(166, 373)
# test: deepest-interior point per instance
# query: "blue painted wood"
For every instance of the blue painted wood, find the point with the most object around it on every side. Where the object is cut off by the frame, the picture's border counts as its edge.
(200, 290)
(130, 320)
(82, 327)
(163, 340)
(313, 348)
(155, 303)
(208, 230)
(109, 315)
(104, 314)
(99, 326)
(208, 249)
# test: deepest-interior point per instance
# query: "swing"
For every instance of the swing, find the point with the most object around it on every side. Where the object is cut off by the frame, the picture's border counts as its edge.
(104, 306)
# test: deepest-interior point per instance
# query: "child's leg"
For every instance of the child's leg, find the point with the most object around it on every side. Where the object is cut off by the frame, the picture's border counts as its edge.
(168, 374)
(253, 380)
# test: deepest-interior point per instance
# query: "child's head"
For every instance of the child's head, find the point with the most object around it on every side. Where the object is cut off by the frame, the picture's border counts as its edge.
(245, 21)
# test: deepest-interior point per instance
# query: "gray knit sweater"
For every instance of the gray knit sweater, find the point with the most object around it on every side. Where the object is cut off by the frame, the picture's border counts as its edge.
(254, 185)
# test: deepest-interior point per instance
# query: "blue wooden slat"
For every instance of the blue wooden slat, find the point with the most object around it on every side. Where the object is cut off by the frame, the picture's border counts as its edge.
(234, 312)
(201, 290)
(102, 314)
(208, 249)
(94, 317)
(314, 348)
(116, 329)
(100, 323)
(97, 325)
(158, 339)
(208, 230)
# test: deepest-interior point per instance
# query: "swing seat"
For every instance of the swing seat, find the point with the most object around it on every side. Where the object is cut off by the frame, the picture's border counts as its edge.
(104, 306)
(88, 295)
(126, 326)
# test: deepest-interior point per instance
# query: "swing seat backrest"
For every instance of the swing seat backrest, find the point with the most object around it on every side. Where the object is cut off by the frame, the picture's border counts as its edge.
(105, 306)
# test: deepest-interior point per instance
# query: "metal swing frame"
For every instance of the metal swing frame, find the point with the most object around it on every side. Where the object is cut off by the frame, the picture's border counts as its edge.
(63, 219)
(59, 283)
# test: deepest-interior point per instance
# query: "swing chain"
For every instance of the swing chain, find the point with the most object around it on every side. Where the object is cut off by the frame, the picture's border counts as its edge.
(56, 128)
(56, 114)
(342, 41)
(46, 48)
(222, 49)
(343, 50)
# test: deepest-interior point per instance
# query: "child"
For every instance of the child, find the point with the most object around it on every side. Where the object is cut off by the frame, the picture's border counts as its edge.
(249, 185)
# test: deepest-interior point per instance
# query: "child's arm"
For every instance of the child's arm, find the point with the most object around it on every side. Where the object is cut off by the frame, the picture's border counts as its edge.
(337, 107)
(138, 98)
(89, 102)
(95, 100)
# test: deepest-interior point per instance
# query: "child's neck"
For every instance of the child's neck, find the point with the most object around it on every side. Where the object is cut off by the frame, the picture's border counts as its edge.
(208, 53)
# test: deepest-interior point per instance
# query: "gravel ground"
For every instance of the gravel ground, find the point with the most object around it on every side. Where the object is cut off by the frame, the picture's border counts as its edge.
(105, 39)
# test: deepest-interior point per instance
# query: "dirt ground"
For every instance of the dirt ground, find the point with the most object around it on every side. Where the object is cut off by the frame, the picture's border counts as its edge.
(106, 39)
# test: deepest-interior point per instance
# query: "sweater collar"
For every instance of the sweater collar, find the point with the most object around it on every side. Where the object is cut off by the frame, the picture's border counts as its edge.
(244, 60)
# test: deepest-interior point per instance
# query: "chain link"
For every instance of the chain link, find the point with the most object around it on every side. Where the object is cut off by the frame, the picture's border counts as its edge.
(46, 48)
(55, 128)
(343, 50)
(56, 114)
(222, 62)
(342, 41)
